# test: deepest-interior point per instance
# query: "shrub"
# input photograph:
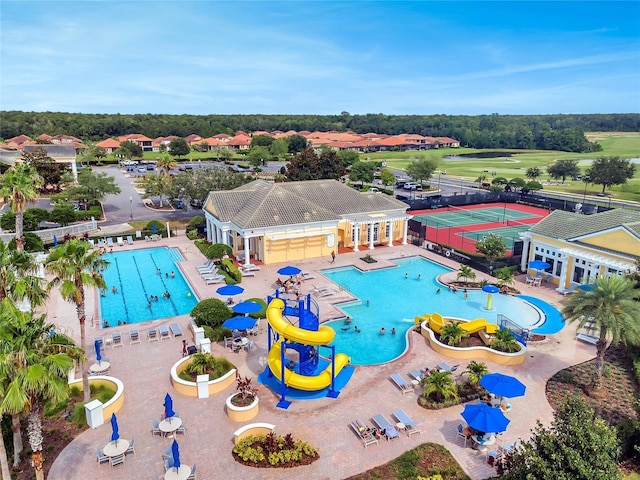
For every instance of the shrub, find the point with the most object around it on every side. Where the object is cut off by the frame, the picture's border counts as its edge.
(192, 234)
(203, 245)
(276, 449)
(211, 311)
(218, 250)
(260, 313)
(230, 269)
(216, 334)
(32, 242)
(159, 226)
(194, 222)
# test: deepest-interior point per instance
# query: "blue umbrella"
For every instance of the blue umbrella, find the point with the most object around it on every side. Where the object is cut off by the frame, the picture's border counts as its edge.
(239, 323)
(289, 270)
(114, 428)
(55, 241)
(153, 228)
(539, 265)
(168, 406)
(503, 385)
(590, 287)
(247, 307)
(229, 290)
(96, 344)
(175, 451)
(481, 416)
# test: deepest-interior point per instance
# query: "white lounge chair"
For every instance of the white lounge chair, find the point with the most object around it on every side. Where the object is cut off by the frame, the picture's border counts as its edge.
(134, 337)
(307, 275)
(410, 426)
(129, 240)
(401, 383)
(214, 280)
(152, 335)
(116, 340)
(364, 433)
(250, 267)
(247, 273)
(110, 242)
(120, 241)
(571, 289)
(164, 332)
(175, 329)
(383, 424)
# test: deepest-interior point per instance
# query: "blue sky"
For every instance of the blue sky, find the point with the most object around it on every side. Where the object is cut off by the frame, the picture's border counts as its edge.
(301, 57)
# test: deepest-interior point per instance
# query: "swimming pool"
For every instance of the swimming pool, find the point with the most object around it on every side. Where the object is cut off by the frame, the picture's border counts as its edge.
(388, 299)
(135, 275)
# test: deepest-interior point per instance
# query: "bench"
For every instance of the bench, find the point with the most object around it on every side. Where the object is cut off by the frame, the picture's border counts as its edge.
(586, 338)
(486, 338)
(252, 429)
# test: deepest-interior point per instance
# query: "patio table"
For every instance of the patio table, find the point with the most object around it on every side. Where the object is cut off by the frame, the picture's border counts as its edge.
(115, 448)
(99, 367)
(181, 473)
(170, 425)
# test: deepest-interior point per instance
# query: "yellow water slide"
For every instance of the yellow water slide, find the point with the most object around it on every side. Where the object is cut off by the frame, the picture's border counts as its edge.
(323, 336)
(436, 323)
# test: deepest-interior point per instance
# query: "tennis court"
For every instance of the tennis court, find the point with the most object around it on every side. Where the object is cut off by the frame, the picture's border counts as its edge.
(462, 227)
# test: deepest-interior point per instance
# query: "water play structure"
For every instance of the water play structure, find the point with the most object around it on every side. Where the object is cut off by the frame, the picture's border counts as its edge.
(436, 323)
(312, 371)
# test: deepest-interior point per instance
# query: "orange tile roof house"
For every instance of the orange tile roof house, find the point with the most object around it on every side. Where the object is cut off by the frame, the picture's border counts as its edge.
(145, 142)
(110, 145)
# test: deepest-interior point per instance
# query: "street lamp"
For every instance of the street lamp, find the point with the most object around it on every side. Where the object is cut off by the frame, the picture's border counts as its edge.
(461, 187)
(586, 182)
(130, 207)
(439, 173)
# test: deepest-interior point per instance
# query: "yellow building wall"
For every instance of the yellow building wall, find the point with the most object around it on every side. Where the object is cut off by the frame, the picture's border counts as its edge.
(344, 232)
(618, 240)
(289, 250)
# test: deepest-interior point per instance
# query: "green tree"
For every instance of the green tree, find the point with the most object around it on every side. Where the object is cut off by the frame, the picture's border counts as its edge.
(563, 169)
(18, 186)
(439, 386)
(178, 147)
(362, 172)
(63, 214)
(47, 168)
(34, 366)
(279, 148)
(517, 182)
(608, 171)
(577, 446)
(349, 157)
(533, 185)
(165, 163)
(491, 246)
(467, 273)
(258, 156)
(613, 306)
(76, 266)
(91, 188)
(504, 341)
(330, 166)
(533, 173)
(304, 166)
(129, 149)
(387, 177)
(453, 333)
(422, 169)
(475, 371)
(18, 277)
(211, 311)
(156, 185)
(262, 141)
(297, 143)
(499, 181)
(505, 276)
(196, 185)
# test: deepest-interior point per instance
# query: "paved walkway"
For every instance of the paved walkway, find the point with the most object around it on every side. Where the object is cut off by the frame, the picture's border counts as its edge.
(144, 369)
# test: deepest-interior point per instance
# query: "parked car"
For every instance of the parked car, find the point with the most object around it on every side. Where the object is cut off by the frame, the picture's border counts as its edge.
(373, 189)
(142, 169)
(412, 186)
(399, 183)
(151, 166)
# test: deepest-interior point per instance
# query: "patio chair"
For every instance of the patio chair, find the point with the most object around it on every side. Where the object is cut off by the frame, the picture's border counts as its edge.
(364, 433)
(383, 424)
(92, 242)
(167, 453)
(117, 460)
(176, 331)
(120, 241)
(168, 463)
(401, 383)
(131, 448)
(462, 435)
(307, 275)
(206, 266)
(182, 428)
(100, 341)
(134, 337)
(100, 243)
(228, 342)
(410, 426)
(164, 332)
(213, 280)
(138, 234)
(110, 242)
(192, 475)
(247, 273)
(101, 457)
(444, 367)
(250, 267)
(528, 279)
(537, 282)
(416, 375)
(155, 429)
(152, 335)
(116, 340)
(248, 346)
(129, 240)
(571, 289)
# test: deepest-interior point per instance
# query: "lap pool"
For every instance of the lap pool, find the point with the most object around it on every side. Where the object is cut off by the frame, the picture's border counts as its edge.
(389, 300)
(135, 275)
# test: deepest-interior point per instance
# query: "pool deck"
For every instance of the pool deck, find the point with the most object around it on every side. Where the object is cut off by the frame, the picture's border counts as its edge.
(144, 369)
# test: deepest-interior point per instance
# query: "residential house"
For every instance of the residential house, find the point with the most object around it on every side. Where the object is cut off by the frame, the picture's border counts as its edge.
(58, 153)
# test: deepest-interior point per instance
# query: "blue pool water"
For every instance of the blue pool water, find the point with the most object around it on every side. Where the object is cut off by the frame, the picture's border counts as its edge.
(134, 273)
(394, 301)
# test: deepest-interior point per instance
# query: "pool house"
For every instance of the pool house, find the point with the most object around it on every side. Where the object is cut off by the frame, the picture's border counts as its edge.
(580, 248)
(285, 222)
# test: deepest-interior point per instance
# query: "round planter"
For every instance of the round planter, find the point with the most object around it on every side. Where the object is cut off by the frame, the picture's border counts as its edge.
(241, 414)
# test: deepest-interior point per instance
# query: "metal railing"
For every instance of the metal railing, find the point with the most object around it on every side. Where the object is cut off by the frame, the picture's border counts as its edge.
(59, 232)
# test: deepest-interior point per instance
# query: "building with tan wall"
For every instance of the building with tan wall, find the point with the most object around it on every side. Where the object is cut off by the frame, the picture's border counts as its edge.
(581, 248)
(285, 222)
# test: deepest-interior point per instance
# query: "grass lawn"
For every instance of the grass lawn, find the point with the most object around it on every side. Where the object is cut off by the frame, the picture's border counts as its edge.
(424, 460)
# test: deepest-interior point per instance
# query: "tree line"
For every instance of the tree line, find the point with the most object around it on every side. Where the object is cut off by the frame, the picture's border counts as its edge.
(544, 132)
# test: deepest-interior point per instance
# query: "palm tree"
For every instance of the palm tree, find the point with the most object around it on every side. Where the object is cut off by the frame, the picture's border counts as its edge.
(505, 341)
(613, 306)
(467, 273)
(76, 266)
(165, 163)
(475, 371)
(4, 462)
(452, 333)
(34, 366)
(156, 184)
(18, 186)
(505, 276)
(439, 384)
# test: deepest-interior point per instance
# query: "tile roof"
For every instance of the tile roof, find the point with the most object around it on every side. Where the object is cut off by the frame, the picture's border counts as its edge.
(54, 150)
(108, 143)
(262, 204)
(569, 226)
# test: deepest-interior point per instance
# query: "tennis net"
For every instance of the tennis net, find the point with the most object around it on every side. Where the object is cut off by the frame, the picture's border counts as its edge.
(516, 223)
(488, 217)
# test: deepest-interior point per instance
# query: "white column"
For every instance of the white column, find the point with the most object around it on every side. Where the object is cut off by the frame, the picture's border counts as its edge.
(74, 170)
(371, 247)
(406, 228)
(247, 250)
(390, 244)
(356, 237)
(210, 231)
(563, 272)
(224, 237)
(525, 254)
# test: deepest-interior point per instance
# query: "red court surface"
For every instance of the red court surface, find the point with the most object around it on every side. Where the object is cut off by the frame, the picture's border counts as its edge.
(461, 227)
